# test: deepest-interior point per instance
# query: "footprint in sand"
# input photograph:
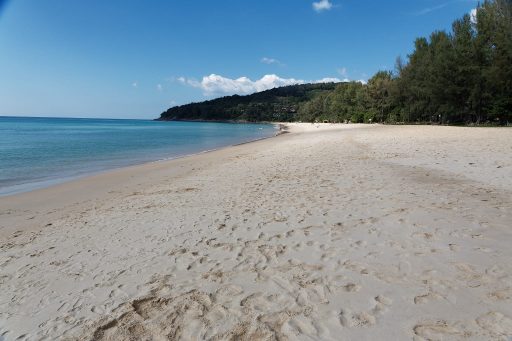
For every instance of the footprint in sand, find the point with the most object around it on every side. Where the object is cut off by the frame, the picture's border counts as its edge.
(500, 295)
(425, 298)
(497, 324)
(382, 304)
(360, 320)
(352, 287)
(436, 331)
(454, 247)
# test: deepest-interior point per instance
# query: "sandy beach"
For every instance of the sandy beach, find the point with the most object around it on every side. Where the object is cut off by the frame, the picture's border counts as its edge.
(329, 232)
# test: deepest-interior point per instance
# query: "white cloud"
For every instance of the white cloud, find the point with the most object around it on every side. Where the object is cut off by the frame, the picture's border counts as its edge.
(159, 87)
(441, 6)
(216, 84)
(432, 9)
(330, 80)
(322, 5)
(473, 15)
(343, 71)
(219, 85)
(266, 60)
(134, 84)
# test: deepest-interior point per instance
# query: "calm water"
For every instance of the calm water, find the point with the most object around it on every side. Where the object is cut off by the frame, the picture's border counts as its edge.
(37, 152)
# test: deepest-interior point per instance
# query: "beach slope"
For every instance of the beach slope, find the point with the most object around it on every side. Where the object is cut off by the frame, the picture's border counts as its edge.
(331, 232)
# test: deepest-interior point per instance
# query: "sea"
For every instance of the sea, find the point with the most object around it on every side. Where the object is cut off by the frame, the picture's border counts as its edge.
(39, 152)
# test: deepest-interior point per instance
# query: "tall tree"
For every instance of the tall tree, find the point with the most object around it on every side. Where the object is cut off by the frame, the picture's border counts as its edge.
(379, 94)
(464, 75)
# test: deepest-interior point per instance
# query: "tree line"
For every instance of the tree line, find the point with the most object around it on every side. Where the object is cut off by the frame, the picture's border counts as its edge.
(274, 105)
(463, 76)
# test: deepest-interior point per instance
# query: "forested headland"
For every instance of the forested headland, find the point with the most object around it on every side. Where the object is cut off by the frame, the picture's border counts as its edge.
(463, 76)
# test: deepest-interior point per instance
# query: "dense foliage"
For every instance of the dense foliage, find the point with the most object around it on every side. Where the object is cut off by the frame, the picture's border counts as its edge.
(279, 104)
(462, 76)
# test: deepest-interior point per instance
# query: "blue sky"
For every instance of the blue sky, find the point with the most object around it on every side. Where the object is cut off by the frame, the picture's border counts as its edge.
(135, 59)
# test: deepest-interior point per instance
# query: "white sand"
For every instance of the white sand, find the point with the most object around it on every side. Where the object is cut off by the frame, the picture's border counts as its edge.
(331, 232)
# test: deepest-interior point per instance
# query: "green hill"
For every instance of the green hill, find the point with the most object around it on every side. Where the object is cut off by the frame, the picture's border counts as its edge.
(279, 104)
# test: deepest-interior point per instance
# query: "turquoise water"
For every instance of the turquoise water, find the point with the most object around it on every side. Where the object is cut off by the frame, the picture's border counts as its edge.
(37, 152)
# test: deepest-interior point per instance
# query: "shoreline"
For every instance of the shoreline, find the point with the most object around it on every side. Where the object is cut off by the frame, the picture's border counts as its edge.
(70, 188)
(329, 232)
(53, 181)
